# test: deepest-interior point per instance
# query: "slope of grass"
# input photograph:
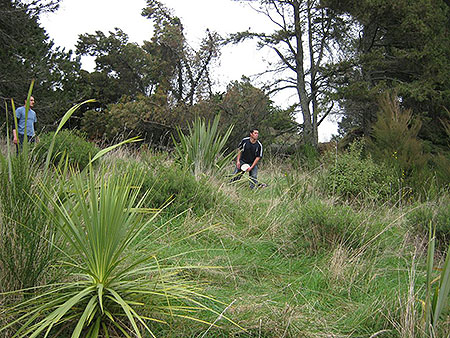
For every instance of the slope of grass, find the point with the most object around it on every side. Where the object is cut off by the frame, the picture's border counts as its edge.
(289, 260)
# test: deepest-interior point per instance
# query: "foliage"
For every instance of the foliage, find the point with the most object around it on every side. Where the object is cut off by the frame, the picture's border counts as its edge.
(122, 68)
(353, 175)
(202, 150)
(185, 71)
(114, 287)
(396, 45)
(70, 145)
(165, 66)
(395, 140)
(436, 300)
(148, 117)
(27, 53)
(318, 226)
(436, 213)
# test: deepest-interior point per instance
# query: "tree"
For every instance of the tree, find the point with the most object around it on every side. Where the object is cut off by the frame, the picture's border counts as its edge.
(302, 42)
(397, 45)
(26, 54)
(122, 68)
(130, 79)
(245, 106)
(184, 70)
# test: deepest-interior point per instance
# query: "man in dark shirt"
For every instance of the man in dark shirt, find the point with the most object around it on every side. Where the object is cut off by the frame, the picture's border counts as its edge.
(250, 151)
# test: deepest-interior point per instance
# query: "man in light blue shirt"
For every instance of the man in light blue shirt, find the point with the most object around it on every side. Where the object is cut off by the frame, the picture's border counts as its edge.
(31, 120)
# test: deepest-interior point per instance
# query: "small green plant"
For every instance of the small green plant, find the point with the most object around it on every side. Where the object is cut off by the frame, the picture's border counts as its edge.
(68, 144)
(202, 149)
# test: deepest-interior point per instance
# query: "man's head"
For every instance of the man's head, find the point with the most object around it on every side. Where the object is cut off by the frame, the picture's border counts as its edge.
(31, 101)
(254, 133)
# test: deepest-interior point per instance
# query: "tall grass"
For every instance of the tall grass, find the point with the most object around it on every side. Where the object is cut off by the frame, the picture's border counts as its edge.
(437, 291)
(26, 237)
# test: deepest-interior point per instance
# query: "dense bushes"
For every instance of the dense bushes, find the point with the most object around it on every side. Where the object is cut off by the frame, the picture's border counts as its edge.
(68, 143)
(352, 174)
(320, 226)
(435, 214)
(168, 182)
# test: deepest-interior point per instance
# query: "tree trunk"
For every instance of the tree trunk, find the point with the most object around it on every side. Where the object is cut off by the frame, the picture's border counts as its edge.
(308, 130)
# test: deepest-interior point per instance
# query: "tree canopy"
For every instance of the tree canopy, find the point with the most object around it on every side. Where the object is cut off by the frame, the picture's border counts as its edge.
(338, 56)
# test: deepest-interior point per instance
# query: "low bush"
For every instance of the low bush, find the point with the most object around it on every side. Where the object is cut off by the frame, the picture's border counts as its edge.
(69, 143)
(305, 157)
(437, 214)
(167, 181)
(352, 175)
(320, 226)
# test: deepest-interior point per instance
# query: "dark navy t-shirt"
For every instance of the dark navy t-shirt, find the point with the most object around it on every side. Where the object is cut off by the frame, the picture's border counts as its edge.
(250, 150)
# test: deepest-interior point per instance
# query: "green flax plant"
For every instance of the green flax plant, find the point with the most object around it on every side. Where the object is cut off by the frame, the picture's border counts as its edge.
(114, 287)
(437, 291)
(202, 149)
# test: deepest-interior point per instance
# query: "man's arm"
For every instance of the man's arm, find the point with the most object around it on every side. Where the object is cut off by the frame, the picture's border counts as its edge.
(255, 162)
(14, 136)
(238, 159)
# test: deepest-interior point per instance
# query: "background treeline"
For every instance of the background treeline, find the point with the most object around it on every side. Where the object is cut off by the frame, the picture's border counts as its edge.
(359, 58)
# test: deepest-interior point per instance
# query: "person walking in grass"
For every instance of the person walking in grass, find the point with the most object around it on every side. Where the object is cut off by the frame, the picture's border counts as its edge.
(19, 135)
(250, 152)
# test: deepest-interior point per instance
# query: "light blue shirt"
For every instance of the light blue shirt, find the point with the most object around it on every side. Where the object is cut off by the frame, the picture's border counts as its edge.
(20, 114)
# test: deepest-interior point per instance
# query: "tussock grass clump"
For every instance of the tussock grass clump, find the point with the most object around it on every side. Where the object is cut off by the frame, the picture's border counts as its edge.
(317, 226)
(27, 238)
(70, 145)
(170, 183)
(436, 213)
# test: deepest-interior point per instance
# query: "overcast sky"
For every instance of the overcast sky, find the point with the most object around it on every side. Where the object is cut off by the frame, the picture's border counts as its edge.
(76, 17)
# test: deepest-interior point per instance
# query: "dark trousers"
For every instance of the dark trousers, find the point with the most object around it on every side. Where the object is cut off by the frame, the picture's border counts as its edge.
(237, 174)
(21, 137)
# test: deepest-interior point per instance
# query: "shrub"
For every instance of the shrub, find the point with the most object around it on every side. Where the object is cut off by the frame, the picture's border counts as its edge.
(354, 175)
(69, 143)
(395, 142)
(305, 157)
(438, 215)
(168, 181)
(320, 226)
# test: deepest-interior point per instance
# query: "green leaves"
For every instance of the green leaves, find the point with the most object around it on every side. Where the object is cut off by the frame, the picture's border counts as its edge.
(202, 150)
(435, 302)
(112, 285)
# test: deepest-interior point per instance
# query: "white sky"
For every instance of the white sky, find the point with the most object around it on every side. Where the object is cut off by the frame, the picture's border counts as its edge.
(76, 17)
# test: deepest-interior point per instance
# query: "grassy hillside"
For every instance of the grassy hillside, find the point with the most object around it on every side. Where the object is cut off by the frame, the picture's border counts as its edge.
(299, 258)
